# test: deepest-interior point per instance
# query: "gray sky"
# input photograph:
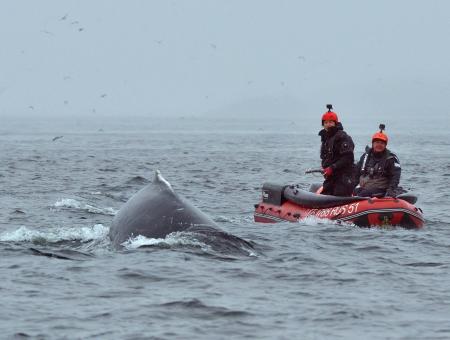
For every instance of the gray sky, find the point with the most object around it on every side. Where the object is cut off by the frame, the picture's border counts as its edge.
(235, 57)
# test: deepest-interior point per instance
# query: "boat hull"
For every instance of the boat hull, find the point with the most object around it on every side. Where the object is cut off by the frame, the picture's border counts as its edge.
(364, 213)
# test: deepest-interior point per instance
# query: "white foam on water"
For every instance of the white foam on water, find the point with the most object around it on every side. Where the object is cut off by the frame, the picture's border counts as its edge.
(74, 204)
(222, 219)
(316, 221)
(176, 239)
(84, 234)
(313, 220)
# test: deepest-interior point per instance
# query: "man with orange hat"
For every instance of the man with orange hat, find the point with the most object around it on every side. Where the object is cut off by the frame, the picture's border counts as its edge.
(379, 169)
(337, 156)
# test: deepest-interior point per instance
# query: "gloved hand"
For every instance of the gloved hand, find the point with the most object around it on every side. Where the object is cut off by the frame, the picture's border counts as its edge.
(390, 193)
(328, 172)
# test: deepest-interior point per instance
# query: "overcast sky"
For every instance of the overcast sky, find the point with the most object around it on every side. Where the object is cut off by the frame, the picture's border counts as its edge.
(227, 57)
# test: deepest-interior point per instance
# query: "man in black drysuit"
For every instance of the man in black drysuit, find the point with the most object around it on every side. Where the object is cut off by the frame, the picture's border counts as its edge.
(378, 171)
(337, 156)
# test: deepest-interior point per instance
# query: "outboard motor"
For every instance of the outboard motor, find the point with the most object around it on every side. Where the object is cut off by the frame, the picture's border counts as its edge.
(273, 193)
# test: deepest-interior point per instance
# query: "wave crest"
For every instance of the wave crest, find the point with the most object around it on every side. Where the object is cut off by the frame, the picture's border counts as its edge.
(84, 234)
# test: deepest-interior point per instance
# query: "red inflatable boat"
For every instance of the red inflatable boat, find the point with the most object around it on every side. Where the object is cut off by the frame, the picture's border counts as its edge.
(290, 203)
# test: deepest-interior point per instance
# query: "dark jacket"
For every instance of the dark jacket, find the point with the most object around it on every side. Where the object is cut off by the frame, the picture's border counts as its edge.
(378, 171)
(337, 150)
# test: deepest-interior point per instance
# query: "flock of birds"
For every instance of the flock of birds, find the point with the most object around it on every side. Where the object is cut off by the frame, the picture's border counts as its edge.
(76, 23)
(63, 18)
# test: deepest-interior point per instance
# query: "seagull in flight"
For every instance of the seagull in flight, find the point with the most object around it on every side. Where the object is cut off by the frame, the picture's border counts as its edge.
(47, 32)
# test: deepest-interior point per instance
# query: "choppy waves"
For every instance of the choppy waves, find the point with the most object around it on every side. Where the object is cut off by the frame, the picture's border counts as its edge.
(70, 203)
(312, 279)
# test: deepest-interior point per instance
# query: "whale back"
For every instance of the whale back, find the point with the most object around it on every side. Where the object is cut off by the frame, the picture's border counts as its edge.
(156, 211)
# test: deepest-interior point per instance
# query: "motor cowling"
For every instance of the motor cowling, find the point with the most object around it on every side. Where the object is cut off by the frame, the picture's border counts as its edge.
(273, 193)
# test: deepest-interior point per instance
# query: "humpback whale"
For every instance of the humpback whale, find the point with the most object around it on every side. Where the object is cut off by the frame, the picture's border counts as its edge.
(157, 210)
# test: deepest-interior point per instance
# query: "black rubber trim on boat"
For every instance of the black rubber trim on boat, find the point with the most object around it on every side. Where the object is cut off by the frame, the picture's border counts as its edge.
(311, 200)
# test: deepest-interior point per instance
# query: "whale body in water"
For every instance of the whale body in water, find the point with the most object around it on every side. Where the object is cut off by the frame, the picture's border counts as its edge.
(157, 211)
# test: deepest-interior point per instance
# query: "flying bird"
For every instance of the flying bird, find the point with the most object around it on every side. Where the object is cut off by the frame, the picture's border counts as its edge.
(57, 137)
(47, 32)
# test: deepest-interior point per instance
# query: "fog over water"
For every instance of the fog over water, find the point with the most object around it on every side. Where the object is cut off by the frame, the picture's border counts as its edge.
(372, 60)
(221, 96)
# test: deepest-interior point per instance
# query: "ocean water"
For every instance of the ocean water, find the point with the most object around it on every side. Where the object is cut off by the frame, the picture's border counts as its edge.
(60, 277)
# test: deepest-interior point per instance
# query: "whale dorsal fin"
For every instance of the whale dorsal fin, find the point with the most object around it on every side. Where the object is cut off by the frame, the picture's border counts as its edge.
(159, 179)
